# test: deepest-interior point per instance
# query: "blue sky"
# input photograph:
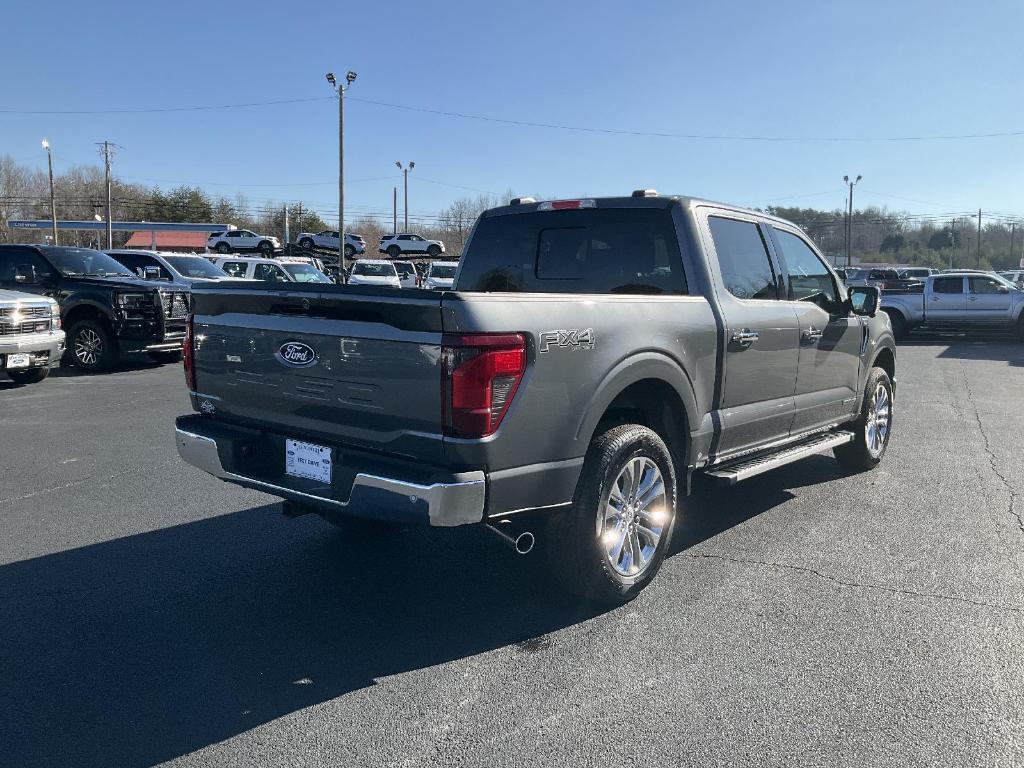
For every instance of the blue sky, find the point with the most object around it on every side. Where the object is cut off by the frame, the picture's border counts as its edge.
(785, 69)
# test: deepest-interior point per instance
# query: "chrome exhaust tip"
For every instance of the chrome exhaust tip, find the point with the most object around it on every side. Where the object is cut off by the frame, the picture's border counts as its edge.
(521, 541)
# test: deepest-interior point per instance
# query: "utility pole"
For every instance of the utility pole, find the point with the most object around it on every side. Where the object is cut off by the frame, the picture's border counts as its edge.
(107, 151)
(979, 238)
(952, 241)
(350, 77)
(298, 218)
(849, 219)
(394, 210)
(287, 239)
(53, 207)
(1013, 231)
(405, 173)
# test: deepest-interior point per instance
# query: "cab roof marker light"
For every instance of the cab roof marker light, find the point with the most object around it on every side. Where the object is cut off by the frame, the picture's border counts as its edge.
(521, 201)
(645, 193)
(566, 205)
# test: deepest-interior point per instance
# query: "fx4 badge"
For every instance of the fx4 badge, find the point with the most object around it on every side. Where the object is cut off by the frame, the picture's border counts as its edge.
(570, 338)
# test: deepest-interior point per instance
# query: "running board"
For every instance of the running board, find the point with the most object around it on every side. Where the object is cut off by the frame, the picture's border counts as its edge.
(729, 474)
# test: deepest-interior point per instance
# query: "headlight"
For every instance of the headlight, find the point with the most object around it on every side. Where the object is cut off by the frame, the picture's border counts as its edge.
(132, 300)
(55, 316)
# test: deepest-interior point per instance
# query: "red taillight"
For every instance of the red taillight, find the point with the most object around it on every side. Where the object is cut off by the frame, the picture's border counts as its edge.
(188, 356)
(566, 205)
(480, 376)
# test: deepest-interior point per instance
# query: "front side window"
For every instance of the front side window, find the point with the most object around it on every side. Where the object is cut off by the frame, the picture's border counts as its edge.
(807, 275)
(23, 263)
(985, 285)
(743, 258)
(234, 268)
(948, 285)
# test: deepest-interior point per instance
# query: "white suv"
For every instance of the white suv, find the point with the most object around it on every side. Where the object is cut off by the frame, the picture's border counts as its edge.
(374, 272)
(440, 275)
(242, 240)
(354, 244)
(395, 245)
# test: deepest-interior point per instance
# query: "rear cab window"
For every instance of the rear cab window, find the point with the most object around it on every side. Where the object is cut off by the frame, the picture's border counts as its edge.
(594, 250)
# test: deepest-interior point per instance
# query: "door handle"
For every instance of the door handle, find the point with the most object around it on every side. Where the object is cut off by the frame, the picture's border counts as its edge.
(935, 298)
(745, 338)
(972, 298)
(810, 335)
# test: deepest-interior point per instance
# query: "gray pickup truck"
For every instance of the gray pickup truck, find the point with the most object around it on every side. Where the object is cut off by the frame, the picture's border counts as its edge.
(31, 339)
(592, 356)
(958, 301)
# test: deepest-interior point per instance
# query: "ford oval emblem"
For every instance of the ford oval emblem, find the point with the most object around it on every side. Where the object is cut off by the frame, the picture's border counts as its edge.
(296, 354)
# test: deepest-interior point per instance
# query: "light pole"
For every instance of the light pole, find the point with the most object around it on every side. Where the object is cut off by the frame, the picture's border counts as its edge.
(53, 207)
(350, 77)
(849, 219)
(405, 173)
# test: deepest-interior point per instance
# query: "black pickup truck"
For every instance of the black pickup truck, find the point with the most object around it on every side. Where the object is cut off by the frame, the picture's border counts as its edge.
(592, 356)
(104, 308)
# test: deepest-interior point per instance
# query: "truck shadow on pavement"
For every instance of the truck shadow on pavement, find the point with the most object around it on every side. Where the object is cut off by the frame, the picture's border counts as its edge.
(141, 649)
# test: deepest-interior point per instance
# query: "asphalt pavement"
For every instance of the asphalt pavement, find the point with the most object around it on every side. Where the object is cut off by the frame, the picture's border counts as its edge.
(149, 613)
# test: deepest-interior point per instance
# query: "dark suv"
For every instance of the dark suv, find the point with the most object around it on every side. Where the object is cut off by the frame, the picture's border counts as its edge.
(104, 308)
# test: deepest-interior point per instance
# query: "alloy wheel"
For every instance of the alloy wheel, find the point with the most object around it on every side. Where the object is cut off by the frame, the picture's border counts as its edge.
(633, 517)
(88, 347)
(877, 429)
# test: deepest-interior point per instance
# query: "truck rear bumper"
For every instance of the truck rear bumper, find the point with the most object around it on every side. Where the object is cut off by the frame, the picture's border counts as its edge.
(455, 500)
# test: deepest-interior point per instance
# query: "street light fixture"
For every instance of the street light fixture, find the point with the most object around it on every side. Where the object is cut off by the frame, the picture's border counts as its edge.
(405, 173)
(350, 77)
(849, 218)
(53, 207)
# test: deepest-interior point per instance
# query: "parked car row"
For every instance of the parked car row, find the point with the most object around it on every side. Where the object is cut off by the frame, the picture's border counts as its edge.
(438, 275)
(395, 245)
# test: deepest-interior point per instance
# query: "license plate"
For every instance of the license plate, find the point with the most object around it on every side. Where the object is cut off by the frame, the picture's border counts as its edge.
(307, 460)
(18, 361)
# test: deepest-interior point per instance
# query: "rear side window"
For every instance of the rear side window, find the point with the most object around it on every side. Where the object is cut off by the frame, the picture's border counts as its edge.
(234, 268)
(743, 258)
(948, 285)
(602, 250)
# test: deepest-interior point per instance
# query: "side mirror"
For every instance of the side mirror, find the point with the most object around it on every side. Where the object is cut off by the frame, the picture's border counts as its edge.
(1003, 289)
(151, 273)
(864, 300)
(26, 274)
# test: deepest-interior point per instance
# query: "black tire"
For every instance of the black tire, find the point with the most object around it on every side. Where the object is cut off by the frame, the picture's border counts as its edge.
(306, 244)
(433, 251)
(266, 248)
(899, 325)
(1020, 328)
(222, 247)
(32, 376)
(349, 251)
(91, 347)
(394, 251)
(577, 551)
(858, 455)
(166, 356)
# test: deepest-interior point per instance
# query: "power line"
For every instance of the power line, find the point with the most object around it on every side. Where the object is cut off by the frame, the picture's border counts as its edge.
(529, 123)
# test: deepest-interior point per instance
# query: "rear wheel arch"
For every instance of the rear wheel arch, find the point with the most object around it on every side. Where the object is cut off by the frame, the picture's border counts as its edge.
(651, 391)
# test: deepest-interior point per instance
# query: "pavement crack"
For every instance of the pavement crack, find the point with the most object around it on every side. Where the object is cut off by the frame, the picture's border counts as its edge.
(72, 484)
(857, 584)
(990, 454)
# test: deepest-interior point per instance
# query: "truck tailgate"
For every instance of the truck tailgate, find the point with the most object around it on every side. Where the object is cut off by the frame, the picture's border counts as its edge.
(353, 366)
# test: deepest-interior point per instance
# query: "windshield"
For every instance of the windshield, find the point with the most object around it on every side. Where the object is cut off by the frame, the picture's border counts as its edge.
(195, 266)
(1007, 283)
(303, 273)
(442, 270)
(84, 261)
(374, 270)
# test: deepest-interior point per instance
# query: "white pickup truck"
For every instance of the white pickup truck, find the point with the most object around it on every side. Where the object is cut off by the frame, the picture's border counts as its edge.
(957, 301)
